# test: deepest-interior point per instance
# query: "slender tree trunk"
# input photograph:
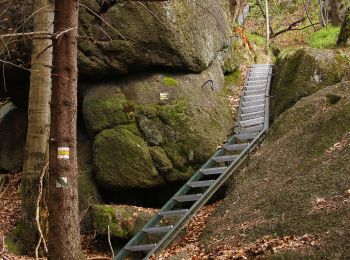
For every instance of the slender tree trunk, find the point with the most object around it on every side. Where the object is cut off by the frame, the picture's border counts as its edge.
(64, 231)
(36, 149)
(334, 12)
(267, 25)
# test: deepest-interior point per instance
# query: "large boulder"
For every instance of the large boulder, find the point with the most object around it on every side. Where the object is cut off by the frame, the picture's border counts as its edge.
(128, 35)
(13, 126)
(297, 183)
(302, 72)
(155, 128)
(118, 36)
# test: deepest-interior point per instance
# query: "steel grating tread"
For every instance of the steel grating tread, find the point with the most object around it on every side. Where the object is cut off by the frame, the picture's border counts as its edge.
(187, 198)
(199, 184)
(251, 129)
(251, 122)
(244, 137)
(227, 158)
(252, 115)
(140, 248)
(173, 213)
(235, 147)
(259, 108)
(248, 93)
(253, 97)
(157, 230)
(215, 170)
(253, 103)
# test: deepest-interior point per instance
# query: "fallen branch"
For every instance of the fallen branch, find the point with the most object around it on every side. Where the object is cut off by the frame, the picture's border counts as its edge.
(37, 213)
(25, 34)
(290, 27)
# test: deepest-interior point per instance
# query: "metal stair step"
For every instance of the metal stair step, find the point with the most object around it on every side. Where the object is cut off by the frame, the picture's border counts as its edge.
(258, 78)
(235, 147)
(198, 184)
(226, 158)
(252, 115)
(252, 109)
(250, 87)
(261, 81)
(253, 103)
(157, 230)
(251, 129)
(140, 248)
(211, 171)
(186, 198)
(172, 213)
(255, 92)
(253, 97)
(251, 122)
(244, 137)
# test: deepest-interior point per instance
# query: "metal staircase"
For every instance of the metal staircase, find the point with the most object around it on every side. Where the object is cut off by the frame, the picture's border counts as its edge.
(252, 124)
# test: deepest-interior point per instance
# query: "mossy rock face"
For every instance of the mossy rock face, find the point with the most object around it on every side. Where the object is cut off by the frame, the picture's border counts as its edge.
(178, 120)
(122, 160)
(105, 112)
(173, 34)
(304, 160)
(302, 72)
(123, 221)
(161, 160)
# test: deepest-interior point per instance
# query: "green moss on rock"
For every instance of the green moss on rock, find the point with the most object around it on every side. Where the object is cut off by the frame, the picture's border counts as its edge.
(161, 160)
(122, 159)
(302, 72)
(123, 221)
(105, 112)
(170, 82)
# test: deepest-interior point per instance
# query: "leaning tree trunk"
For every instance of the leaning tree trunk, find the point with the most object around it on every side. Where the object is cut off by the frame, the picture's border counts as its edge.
(344, 31)
(64, 231)
(36, 149)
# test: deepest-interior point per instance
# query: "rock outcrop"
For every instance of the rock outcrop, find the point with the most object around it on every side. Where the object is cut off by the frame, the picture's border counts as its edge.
(155, 128)
(302, 72)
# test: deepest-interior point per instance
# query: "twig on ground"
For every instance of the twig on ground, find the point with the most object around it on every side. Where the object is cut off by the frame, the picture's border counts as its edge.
(109, 241)
(37, 213)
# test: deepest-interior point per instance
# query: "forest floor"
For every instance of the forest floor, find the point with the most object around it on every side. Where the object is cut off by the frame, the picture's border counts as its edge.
(186, 246)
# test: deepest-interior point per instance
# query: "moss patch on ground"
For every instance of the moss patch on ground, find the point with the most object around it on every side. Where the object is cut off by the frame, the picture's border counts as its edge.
(324, 38)
(304, 160)
(123, 221)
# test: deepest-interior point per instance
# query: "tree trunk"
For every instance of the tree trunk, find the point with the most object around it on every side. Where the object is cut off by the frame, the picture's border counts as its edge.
(344, 31)
(334, 12)
(36, 149)
(64, 231)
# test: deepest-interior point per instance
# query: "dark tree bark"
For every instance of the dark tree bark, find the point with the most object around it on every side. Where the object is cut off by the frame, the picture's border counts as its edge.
(64, 231)
(344, 31)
